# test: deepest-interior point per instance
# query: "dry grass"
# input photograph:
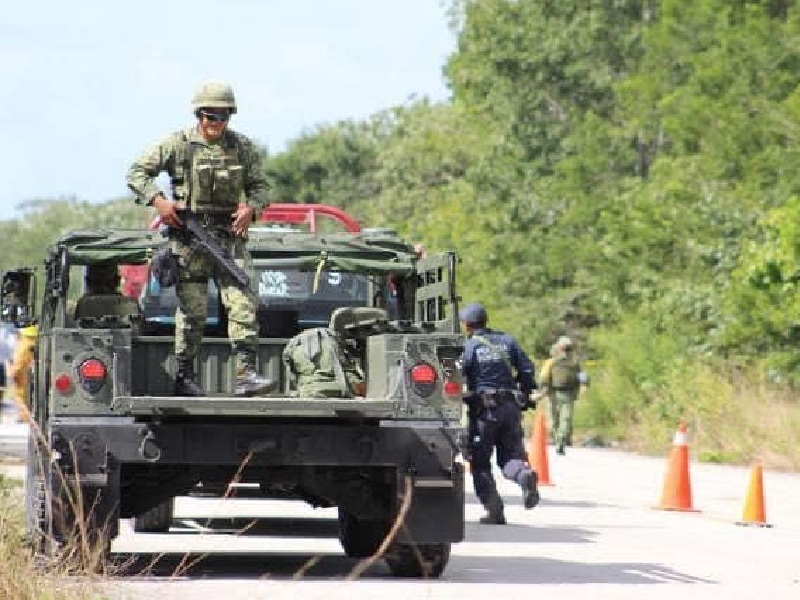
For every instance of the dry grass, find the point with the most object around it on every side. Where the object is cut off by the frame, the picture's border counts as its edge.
(20, 577)
(733, 418)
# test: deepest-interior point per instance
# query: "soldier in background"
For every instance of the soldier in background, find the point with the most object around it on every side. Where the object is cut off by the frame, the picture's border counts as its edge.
(102, 297)
(20, 371)
(216, 173)
(8, 339)
(497, 395)
(561, 380)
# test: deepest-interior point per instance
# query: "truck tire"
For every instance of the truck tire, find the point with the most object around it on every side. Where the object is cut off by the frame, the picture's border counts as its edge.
(157, 519)
(418, 560)
(361, 538)
(38, 515)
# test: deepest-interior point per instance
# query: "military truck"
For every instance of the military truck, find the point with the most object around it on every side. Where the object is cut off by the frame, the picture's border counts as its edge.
(110, 441)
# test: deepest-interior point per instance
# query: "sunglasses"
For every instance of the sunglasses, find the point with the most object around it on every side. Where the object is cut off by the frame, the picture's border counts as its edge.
(215, 117)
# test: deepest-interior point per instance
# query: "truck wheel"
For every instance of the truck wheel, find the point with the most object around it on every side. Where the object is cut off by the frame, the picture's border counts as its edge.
(47, 520)
(360, 538)
(157, 519)
(38, 511)
(418, 560)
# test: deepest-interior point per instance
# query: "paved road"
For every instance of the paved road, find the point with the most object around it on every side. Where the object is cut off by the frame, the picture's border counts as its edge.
(595, 535)
(13, 441)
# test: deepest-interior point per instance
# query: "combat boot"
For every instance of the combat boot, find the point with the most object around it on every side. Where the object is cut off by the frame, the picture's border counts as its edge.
(495, 513)
(185, 385)
(248, 381)
(530, 490)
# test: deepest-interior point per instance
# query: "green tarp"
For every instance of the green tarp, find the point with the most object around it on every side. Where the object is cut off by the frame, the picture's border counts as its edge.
(304, 251)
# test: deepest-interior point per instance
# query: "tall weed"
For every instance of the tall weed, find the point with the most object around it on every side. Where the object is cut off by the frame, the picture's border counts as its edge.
(20, 577)
(644, 383)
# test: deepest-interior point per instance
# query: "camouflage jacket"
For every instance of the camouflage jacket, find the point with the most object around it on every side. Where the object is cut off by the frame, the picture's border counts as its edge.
(171, 155)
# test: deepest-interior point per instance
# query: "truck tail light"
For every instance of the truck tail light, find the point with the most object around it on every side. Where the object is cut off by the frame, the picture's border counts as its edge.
(92, 375)
(452, 388)
(63, 384)
(423, 379)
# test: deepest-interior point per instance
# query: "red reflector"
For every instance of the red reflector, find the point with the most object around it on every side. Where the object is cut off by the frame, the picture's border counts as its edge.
(423, 373)
(92, 369)
(451, 388)
(63, 384)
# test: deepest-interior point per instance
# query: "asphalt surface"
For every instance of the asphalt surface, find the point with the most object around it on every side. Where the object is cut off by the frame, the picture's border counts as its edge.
(596, 534)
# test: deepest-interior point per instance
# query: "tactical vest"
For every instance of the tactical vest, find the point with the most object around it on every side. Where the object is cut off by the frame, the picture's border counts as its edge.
(209, 179)
(497, 349)
(564, 373)
(319, 365)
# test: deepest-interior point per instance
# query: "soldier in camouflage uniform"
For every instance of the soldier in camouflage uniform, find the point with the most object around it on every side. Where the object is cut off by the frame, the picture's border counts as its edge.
(561, 380)
(215, 172)
(323, 362)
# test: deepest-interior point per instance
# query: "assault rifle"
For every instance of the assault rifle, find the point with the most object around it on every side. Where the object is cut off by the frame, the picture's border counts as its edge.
(193, 233)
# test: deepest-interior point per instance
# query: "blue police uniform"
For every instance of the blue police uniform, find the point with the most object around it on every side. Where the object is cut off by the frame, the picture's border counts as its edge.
(489, 361)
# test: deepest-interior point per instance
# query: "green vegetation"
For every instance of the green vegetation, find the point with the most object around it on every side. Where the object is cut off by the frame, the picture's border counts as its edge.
(619, 171)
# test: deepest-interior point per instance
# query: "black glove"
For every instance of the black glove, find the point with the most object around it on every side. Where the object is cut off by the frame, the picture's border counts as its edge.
(524, 401)
(165, 267)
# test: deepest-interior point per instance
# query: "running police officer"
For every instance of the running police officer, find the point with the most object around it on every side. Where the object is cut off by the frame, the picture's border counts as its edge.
(496, 399)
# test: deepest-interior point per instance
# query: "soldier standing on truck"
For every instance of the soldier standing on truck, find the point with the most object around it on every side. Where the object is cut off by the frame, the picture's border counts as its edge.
(215, 172)
(495, 401)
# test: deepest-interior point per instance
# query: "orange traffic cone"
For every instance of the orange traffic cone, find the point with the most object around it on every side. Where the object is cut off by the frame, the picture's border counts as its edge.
(755, 513)
(537, 451)
(677, 493)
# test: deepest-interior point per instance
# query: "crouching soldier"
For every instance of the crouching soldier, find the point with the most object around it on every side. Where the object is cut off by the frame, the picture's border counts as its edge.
(323, 362)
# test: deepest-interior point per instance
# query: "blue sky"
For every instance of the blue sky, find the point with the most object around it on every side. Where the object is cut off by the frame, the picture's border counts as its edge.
(86, 85)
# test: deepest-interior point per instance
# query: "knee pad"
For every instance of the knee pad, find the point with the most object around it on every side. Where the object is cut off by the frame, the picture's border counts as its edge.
(514, 469)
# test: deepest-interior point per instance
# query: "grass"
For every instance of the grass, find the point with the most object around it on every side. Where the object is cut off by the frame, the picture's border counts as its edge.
(20, 577)
(734, 416)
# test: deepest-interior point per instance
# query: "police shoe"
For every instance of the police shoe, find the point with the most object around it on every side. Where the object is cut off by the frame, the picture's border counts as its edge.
(251, 383)
(493, 519)
(495, 515)
(530, 489)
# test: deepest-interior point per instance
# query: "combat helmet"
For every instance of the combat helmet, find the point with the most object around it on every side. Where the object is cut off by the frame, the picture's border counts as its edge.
(562, 345)
(214, 94)
(564, 342)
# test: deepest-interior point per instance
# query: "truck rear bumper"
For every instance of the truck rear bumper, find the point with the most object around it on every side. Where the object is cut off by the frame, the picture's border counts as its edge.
(116, 453)
(92, 443)
(256, 406)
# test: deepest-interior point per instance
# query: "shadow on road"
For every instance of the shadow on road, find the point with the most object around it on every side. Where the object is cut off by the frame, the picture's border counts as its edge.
(248, 526)
(506, 568)
(515, 499)
(238, 566)
(511, 569)
(513, 533)
(462, 569)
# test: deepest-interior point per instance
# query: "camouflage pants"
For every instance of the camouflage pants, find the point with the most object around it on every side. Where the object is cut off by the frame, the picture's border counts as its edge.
(562, 411)
(192, 292)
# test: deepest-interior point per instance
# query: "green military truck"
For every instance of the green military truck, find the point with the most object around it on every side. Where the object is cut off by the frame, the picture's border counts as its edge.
(110, 441)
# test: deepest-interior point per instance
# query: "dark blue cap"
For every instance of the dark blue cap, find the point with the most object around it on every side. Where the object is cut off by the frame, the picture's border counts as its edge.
(473, 313)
